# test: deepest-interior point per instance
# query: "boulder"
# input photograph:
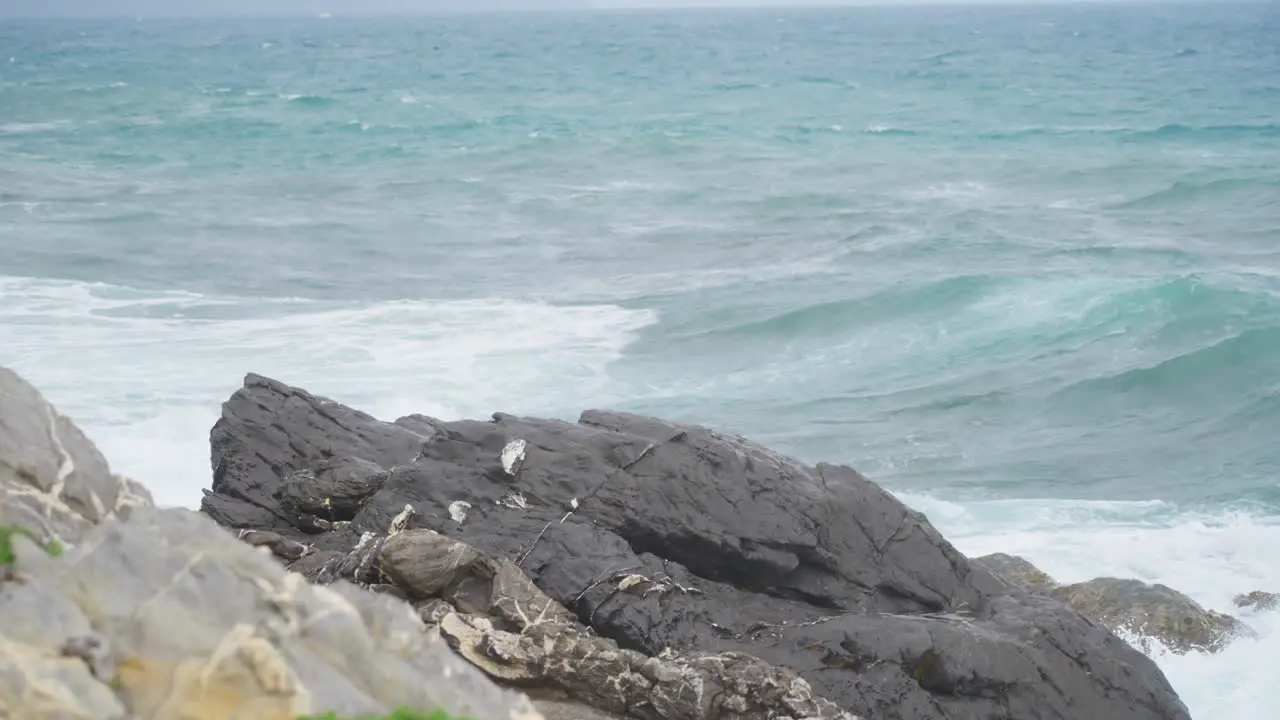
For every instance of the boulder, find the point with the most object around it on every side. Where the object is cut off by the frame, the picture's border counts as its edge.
(1142, 611)
(1018, 571)
(113, 609)
(677, 544)
(1152, 612)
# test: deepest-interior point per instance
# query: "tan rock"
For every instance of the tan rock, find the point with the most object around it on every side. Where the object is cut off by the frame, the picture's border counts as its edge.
(1140, 610)
(1018, 571)
(53, 480)
(161, 615)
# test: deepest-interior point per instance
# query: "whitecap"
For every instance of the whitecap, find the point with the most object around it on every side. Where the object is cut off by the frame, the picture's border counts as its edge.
(1210, 556)
(145, 372)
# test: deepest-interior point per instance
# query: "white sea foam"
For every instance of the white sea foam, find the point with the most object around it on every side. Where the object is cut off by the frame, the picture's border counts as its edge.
(22, 128)
(965, 190)
(1211, 557)
(145, 373)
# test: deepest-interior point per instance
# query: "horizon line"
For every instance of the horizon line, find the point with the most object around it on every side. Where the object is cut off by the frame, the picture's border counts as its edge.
(592, 7)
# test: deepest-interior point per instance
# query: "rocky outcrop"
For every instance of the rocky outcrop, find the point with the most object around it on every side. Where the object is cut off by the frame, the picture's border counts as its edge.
(1018, 571)
(495, 617)
(113, 609)
(1142, 611)
(623, 561)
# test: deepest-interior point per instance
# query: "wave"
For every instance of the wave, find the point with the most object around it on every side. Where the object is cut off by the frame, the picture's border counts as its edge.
(308, 100)
(942, 57)
(124, 216)
(739, 86)
(1183, 192)
(1236, 365)
(888, 130)
(1172, 131)
(1211, 556)
(1175, 131)
(1184, 302)
(1013, 312)
(161, 362)
(32, 128)
(1204, 132)
(894, 303)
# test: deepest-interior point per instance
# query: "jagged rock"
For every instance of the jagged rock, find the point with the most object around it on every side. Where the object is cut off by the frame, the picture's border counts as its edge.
(1152, 612)
(1018, 571)
(513, 631)
(1144, 612)
(496, 618)
(282, 547)
(675, 541)
(725, 685)
(1257, 600)
(160, 614)
(333, 491)
(432, 611)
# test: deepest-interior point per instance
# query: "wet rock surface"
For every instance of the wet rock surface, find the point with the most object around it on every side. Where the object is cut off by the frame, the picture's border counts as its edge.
(659, 551)
(1143, 611)
(1018, 571)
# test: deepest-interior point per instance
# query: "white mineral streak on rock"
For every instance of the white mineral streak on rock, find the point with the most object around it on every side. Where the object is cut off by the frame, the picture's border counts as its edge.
(514, 500)
(513, 456)
(458, 510)
(401, 521)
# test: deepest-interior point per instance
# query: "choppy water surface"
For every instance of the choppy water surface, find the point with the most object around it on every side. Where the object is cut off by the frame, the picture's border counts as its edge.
(1019, 265)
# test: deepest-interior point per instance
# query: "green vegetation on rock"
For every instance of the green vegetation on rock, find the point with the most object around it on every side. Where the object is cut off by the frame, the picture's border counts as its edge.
(53, 547)
(397, 714)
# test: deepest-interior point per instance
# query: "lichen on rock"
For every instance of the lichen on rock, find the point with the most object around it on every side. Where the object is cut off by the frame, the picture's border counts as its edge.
(1145, 613)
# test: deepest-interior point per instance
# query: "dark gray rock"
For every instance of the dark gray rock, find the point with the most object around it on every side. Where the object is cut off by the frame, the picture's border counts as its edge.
(291, 430)
(282, 547)
(677, 541)
(509, 628)
(333, 491)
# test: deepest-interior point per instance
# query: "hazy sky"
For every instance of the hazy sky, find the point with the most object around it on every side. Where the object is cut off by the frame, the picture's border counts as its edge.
(315, 7)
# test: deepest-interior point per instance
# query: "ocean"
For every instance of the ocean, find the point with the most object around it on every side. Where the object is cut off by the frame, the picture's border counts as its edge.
(1020, 265)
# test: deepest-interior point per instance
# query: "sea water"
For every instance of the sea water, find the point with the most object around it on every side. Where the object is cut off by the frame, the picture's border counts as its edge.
(1019, 265)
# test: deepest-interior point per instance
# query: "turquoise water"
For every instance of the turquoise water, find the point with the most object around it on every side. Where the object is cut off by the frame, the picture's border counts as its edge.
(1020, 265)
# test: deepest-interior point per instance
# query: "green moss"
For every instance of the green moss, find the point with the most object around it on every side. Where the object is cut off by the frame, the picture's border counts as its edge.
(397, 714)
(53, 547)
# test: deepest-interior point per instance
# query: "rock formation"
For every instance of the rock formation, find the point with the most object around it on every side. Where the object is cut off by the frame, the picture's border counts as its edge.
(657, 570)
(112, 609)
(1145, 612)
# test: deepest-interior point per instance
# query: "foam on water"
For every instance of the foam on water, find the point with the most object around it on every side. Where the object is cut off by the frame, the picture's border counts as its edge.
(174, 357)
(1209, 556)
(1044, 266)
